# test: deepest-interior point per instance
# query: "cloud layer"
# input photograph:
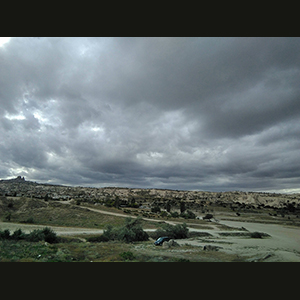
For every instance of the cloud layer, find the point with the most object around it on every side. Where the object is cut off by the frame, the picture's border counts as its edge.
(182, 113)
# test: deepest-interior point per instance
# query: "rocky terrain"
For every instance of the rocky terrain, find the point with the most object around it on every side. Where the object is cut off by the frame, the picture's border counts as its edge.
(134, 197)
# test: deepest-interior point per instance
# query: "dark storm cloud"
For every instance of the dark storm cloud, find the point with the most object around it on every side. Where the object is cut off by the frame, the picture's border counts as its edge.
(182, 113)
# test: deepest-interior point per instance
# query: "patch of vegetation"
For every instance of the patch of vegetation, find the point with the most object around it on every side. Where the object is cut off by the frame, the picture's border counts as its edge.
(188, 215)
(46, 234)
(174, 214)
(127, 256)
(179, 231)
(181, 260)
(131, 231)
(199, 234)
(30, 220)
(258, 235)
(254, 235)
(24, 251)
(155, 209)
(208, 217)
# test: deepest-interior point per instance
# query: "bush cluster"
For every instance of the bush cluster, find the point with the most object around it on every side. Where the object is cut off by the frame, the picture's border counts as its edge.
(188, 215)
(179, 231)
(131, 231)
(46, 234)
(208, 217)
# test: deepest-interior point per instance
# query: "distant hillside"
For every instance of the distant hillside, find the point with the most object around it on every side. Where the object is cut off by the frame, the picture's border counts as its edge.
(19, 187)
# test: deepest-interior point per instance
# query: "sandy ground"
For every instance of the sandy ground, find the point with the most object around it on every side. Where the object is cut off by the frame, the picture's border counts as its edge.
(282, 246)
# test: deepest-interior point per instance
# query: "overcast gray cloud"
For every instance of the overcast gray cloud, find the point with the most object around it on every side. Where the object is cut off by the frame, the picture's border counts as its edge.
(183, 113)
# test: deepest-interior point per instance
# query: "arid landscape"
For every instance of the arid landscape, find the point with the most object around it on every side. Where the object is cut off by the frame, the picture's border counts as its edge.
(228, 226)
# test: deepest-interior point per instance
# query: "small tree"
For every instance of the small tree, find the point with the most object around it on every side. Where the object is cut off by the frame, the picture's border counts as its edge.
(18, 235)
(290, 207)
(117, 202)
(182, 207)
(50, 235)
(5, 235)
(175, 214)
(155, 209)
(208, 217)
(8, 217)
(188, 215)
(168, 206)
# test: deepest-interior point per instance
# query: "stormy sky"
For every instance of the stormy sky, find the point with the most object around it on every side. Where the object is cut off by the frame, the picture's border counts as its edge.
(213, 114)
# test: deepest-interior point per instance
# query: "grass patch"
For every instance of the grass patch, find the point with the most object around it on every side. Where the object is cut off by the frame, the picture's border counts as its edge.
(192, 234)
(127, 256)
(56, 214)
(111, 251)
(12, 250)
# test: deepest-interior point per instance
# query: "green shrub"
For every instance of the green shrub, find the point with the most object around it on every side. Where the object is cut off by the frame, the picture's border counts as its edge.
(208, 217)
(182, 207)
(8, 217)
(256, 235)
(35, 236)
(49, 235)
(109, 234)
(5, 235)
(18, 235)
(130, 232)
(155, 209)
(181, 260)
(188, 215)
(30, 220)
(179, 231)
(175, 214)
(46, 234)
(127, 256)
(126, 235)
(163, 214)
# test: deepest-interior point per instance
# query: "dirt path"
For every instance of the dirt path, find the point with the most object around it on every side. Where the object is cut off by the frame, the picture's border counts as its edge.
(127, 216)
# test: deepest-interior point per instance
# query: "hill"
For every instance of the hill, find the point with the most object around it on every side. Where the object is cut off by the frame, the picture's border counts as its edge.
(148, 197)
